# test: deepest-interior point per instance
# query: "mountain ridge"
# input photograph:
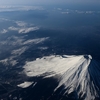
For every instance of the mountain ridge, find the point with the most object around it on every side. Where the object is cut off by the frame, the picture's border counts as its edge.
(78, 74)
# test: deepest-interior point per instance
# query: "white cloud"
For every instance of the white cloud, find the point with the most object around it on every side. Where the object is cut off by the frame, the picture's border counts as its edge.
(43, 48)
(27, 30)
(23, 29)
(4, 61)
(4, 31)
(21, 45)
(20, 41)
(59, 8)
(85, 12)
(13, 62)
(20, 26)
(26, 8)
(79, 12)
(9, 61)
(20, 8)
(13, 28)
(89, 12)
(25, 84)
(19, 51)
(4, 19)
(21, 23)
(13, 40)
(35, 41)
(65, 12)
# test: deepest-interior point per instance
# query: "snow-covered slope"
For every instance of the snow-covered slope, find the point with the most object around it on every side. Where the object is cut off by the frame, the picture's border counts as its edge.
(80, 74)
(25, 84)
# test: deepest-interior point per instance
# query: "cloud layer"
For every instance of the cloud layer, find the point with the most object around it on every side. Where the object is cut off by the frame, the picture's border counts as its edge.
(19, 8)
(23, 29)
(20, 26)
(21, 45)
(4, 31)
(75, 11)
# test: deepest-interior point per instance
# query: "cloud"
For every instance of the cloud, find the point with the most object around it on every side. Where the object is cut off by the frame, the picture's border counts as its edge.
(43, 48)
(85, 12)
(65, 12)
(9, 61)
(19, 8)
(19, 26)
(21, 23)
(13, 40)
(79, 12)
(5, 19)
(89, 12)
(4, 31)
(23, 29)
(19, 51)
(20, 41)
(27, 30)
(59, 8)
(35, 41)
(13, 28)
(21, 44)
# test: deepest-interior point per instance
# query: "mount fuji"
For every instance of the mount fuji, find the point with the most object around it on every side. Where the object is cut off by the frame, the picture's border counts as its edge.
(78, 76)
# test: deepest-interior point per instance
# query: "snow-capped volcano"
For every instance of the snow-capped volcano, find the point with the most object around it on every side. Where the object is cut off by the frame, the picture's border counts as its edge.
(78, 74)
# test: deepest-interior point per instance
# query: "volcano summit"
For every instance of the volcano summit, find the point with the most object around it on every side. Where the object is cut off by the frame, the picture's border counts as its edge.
(78, 75)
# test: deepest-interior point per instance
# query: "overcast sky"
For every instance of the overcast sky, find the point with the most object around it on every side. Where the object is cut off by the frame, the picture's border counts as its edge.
(40, 2)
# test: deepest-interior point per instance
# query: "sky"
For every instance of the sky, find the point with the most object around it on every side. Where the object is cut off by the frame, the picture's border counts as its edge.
(41, 2)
